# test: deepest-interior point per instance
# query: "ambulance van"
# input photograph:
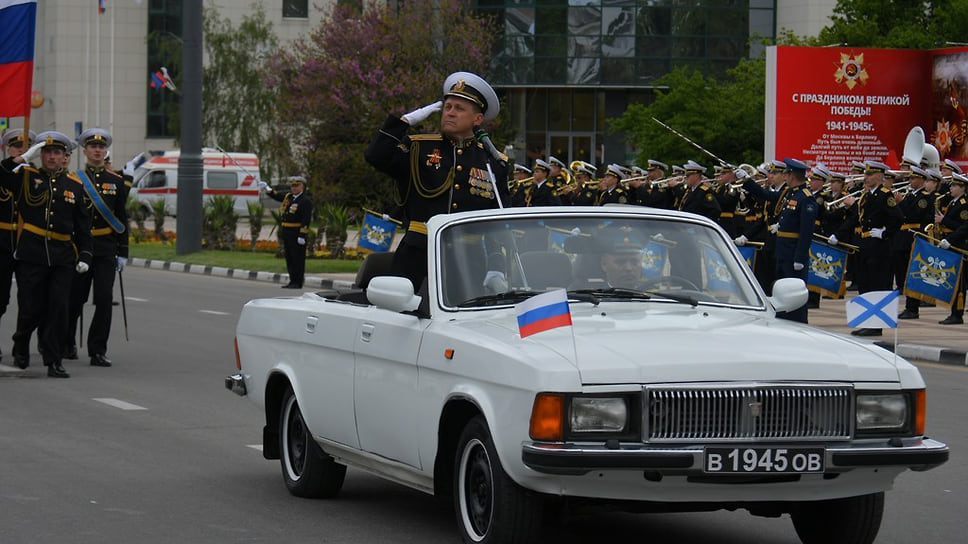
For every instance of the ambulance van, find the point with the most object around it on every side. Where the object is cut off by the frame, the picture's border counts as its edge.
(224, 173)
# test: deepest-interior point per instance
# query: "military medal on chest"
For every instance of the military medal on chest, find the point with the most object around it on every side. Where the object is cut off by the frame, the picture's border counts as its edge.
(433, 159)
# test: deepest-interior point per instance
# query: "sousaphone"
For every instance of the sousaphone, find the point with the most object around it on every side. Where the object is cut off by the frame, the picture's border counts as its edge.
(914, 147)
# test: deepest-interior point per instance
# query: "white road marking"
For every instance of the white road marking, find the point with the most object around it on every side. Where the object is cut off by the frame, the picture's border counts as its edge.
(254, 446)
(121, 404)
(136, 299)
(213, 312)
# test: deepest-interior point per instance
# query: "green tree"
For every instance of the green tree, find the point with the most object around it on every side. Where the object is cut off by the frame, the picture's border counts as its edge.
(237, 105)
(337, 85)
(724, 116)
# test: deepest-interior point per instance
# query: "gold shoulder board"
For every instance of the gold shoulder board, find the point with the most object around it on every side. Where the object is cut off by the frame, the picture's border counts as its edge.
(422, 137)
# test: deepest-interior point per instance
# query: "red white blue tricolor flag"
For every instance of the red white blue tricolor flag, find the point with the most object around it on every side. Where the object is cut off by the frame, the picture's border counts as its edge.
(102, 6)
(543, 312)
(873, 310)
(18, 20)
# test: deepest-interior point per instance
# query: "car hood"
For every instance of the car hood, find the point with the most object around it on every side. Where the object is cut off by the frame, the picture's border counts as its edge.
(678, 343)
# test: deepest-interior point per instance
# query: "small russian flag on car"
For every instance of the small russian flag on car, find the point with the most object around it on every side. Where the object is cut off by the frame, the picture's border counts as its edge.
(543, 312)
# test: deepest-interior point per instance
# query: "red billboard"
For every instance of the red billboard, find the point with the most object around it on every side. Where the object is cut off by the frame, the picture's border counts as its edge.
(835, 105)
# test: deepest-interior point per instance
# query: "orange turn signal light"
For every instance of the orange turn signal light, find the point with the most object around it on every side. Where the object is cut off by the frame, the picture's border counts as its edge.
(920, 411)
(548, 417)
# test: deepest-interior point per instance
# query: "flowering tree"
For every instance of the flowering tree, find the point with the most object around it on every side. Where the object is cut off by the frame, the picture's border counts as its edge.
(337, 85)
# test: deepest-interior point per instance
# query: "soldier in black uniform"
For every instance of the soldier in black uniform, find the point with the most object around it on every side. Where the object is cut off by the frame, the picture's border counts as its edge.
(698, 197)
(917, 205)
(876, 222)
(444, 172)
(817, 178)
(952, 224)
(610, 191)
(15, 142)
(557, 173)
(587, 189)
(297, 213)
(54, 243)
(543, 191)
(728, 198)
(105, 197)
(517, 187)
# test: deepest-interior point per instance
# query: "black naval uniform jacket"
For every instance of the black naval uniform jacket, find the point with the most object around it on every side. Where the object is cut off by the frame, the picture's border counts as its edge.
(918, 210)
(297, 213)
(435, 174)
(55, 223)
(700, 200)
(543, 195)
(618, 195)
(875, 209)
(8, 219)
(114, 192)
(954, 224)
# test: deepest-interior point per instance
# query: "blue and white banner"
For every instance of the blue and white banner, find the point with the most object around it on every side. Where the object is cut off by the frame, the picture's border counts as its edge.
(718, 277)
(932, 273)
(873, 310)
(377, 233)
(826, 273)
(654, 260)
(749, 255)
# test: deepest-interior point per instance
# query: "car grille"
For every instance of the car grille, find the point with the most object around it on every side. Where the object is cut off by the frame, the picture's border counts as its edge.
(748, 413)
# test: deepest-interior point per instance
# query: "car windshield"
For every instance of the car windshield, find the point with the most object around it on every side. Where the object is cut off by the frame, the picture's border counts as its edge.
(502, 261)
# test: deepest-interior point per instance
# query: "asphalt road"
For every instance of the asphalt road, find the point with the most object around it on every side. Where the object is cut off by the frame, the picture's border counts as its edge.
(155, 449)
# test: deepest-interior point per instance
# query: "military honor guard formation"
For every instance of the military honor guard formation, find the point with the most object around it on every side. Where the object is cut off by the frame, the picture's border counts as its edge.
(63, 234)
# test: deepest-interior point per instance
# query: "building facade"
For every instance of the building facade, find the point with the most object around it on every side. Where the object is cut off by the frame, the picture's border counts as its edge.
(562, 66)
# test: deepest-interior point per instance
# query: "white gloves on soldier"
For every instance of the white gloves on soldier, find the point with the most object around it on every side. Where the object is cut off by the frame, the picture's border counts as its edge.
(264, 186)
(774, 227)
(33, 152)
(798, 266)
(418, 115)
(944, 244)
(82, 267)
(301, 241)
(740, 240)
(495, 282)
(121, 262)
(832, 240)
(878, 232)
(128, 168)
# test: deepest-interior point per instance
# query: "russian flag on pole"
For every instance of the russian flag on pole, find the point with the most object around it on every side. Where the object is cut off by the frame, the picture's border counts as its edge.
(543, 312)
(873, 310)
(18, 19)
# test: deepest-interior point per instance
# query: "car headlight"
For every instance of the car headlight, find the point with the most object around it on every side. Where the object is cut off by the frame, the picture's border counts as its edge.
(882, 412)
(598, 414)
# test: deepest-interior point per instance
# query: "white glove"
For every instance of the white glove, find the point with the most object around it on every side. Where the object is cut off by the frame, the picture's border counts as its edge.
(128, 168)
(82, 267)
(774, 227)
(798, 266)
(878, 232)
(386, 217)
(121, 262)
(575, 231)
(832, 240)
(944, 243)
(264, 186)
(33, 152)
(495, 282)
(740, 240)
(418, 115)
(740, 174)
(301, 241)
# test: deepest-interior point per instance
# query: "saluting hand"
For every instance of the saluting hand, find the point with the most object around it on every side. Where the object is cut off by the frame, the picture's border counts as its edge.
(418, 115)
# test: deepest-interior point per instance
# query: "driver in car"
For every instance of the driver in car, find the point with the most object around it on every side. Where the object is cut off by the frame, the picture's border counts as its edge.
(621, 259)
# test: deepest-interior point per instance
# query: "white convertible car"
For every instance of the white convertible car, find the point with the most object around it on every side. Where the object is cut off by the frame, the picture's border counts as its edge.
(665, 383)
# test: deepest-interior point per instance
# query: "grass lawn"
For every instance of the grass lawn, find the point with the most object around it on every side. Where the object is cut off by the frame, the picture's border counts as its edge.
(243, 260)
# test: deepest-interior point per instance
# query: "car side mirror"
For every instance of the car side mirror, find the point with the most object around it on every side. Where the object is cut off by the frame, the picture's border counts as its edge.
(788, 294)
(392, 293)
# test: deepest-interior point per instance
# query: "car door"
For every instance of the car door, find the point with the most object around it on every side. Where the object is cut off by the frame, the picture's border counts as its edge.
(386, 384)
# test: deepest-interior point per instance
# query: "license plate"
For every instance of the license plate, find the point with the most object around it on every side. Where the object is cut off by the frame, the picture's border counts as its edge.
(763, 460)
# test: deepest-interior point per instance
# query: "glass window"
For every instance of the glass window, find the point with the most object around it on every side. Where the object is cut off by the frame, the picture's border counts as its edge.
(662, 261)
(297, 9)
(221, 180)
(157, 178)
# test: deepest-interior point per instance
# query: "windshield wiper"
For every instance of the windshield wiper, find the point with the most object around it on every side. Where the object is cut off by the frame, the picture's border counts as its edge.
(498, 298)
(635, 294)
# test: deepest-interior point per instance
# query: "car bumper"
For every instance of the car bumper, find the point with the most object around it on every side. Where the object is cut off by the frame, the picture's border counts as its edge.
(236, 384)
(574, 459)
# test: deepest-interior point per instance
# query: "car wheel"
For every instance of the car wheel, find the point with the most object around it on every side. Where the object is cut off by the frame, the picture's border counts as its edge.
(491, 508)
(854, 520)
(306, 469)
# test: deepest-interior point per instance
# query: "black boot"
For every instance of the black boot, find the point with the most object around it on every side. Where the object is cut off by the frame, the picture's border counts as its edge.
(56, 370)
(21, 357)
(953, 319)
(100, 360)
(909, 314)
(70, 352)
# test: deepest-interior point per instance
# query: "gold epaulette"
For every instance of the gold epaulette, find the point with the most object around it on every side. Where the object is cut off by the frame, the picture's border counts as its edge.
(884, 189)
(27, 167)
(74, 177)
(428, 137)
